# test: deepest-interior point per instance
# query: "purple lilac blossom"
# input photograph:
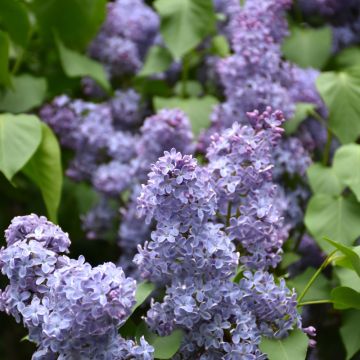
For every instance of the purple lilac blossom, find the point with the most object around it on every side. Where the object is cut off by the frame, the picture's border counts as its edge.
(98, 221)
(129, 30)
(192, 256)
(169, 128)
(241, 162)
(70, 309)
(126, 108)
(113, 178)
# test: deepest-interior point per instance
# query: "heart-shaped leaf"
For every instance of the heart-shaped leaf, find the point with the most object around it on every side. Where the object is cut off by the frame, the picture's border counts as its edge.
(20, 136)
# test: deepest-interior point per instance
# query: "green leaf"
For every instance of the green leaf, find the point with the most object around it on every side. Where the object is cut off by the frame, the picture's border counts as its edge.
(308, 47)
(349, 253)
(193, 88)
(341, 93)
(294, 347)
(336, 217)
(347, 167)
(348, 278)
(44, 169)
(165, 346)
(158, 59)
(15, 19)
(350, 333)
(76, 21)
(198, 109)
(185, 23)
(20, 136)
(220, 46)
(345, 298)
(26, 93)
(289, 258)
(143, 290)
(4, 59)
(319, 291)
(79, 65)
(348, 57)
(302, 111)
(323, 180)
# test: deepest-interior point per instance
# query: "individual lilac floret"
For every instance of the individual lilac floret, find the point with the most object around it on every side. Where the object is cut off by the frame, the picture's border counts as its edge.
(112, 178)
(178, 193)
(33, 227)
(274, 306)
(126, 109)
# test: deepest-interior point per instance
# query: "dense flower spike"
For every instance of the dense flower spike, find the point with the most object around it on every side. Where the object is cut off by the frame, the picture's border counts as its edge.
(71, 309)
(129, 30)
(194, 258)
(241, 162)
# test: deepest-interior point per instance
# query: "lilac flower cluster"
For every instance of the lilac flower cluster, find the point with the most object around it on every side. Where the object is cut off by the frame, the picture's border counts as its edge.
(241, 162)
(114, 155)
(70, 309)
(192, 253)
(256, 76)
(129, 30)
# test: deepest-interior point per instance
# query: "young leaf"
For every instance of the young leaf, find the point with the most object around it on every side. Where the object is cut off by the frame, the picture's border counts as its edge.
(184, 23)
(347, 167)
(4, 59)
(341, 93)
(158, 59)
(76, 21)
(337, 217)
(20, 136)
(302, 111)
(143, 290)
(198, 109)
(308, 47)
(323, 180)
(26, 93)
(294, 347)
(349, 253)
(345, 298)
(350, 333)
(15, 19)
(79, 65)
(44, 169)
